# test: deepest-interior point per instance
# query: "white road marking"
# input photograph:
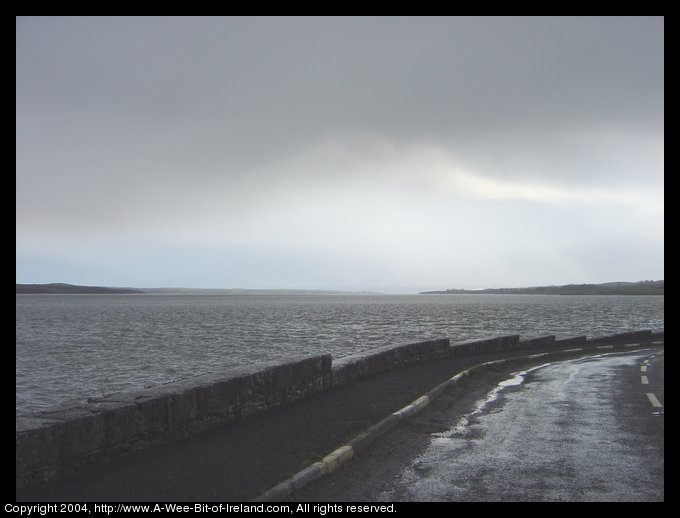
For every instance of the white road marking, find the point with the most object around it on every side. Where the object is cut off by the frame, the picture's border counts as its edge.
(604, 347)
(644, 380)
(643, 368)
(652, 399)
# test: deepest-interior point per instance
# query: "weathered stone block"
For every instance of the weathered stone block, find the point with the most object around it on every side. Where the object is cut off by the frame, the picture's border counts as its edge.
(536, 343)
(489, 345)
(572, 341)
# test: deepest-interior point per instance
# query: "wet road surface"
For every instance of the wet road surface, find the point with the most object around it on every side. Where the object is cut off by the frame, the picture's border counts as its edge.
(578, 430)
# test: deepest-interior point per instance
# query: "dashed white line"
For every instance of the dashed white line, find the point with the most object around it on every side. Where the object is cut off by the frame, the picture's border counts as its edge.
(604, 347)
(643, 368)
(652, 399)
(644, 380)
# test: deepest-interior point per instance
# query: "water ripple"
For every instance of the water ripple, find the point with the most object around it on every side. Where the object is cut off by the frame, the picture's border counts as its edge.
(71, 347)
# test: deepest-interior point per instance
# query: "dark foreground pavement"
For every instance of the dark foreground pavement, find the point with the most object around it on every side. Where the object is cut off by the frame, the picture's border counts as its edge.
(239, 461)
(574, 430)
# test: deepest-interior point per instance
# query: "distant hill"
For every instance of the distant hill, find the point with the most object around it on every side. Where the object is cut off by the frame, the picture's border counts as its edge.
(607, 288)
(71, 288)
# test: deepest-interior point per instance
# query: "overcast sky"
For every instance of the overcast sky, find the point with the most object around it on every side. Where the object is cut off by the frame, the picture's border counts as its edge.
(388, 154)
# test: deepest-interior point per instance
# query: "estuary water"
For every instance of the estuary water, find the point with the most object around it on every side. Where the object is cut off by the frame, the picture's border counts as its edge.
(72, 347)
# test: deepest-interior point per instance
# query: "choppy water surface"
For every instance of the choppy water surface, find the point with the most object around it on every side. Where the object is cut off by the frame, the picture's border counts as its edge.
(71, 347)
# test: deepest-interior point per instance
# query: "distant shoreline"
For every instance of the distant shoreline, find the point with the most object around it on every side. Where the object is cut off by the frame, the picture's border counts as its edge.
(65, 289)
(61, 288)
(609, 288)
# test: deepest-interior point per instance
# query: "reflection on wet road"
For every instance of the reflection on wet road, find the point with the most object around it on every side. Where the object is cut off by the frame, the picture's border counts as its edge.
(582, 429)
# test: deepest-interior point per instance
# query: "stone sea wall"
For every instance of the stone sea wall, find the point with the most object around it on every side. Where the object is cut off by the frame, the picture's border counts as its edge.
(53, 444)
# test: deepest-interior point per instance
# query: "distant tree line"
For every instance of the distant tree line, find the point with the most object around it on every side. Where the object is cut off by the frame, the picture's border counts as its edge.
(608, 288)
(71, 288)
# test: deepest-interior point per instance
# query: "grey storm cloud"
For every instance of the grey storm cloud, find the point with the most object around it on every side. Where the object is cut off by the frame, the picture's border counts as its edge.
(175, 122)
(268, 83)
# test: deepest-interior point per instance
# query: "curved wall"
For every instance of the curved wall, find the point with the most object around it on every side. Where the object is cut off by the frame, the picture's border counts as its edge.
(52, 444)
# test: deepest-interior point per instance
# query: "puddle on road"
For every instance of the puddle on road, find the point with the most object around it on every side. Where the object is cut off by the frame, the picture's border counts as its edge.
(461, 427)
(517, 380)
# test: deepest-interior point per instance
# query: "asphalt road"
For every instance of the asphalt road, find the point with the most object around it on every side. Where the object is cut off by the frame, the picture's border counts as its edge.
(577, 430)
